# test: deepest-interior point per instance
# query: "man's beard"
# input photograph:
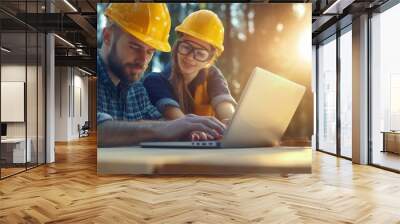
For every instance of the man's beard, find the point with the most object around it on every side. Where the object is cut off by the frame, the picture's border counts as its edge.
(119, 69)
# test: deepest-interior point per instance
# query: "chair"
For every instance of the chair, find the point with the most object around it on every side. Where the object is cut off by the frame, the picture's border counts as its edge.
(84, 130)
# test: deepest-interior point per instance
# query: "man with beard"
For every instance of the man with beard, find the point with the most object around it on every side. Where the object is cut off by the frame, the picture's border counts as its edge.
(125, 114)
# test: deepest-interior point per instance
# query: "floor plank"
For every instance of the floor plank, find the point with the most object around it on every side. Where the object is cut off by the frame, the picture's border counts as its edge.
(69, 191)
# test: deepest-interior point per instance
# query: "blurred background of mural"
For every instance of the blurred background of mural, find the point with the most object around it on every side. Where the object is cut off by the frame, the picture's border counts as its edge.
(276, 37)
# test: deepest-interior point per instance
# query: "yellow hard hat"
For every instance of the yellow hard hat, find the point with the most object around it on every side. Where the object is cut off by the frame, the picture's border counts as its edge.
(204, 25)
(148, 22)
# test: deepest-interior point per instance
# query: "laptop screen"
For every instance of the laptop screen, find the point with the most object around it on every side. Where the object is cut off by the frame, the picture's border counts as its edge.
(3, 129)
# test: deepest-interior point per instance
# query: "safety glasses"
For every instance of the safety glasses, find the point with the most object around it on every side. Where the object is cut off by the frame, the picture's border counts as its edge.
(199, 54)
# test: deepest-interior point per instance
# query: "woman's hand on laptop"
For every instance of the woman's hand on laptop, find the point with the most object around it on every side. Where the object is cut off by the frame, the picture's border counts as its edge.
(200, 136)
(189, 124)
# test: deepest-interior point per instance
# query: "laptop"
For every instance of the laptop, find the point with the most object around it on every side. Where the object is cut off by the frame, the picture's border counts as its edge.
(3, 131)
(264, 111)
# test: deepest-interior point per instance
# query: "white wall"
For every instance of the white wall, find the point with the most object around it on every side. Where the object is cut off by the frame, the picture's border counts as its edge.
(16, 73)
(33, 127)
(61, 103)
(71, 94)
(12, 73)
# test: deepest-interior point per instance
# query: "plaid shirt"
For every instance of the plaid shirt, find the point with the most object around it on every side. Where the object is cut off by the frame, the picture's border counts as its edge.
(122, 102)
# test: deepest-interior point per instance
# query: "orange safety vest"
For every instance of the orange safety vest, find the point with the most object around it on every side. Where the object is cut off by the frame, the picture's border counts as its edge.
(202, 102)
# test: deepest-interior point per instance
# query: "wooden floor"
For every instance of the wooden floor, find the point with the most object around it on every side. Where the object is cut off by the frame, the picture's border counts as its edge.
(387, 159)
(70, 191)
(8, 171)
(5, 172)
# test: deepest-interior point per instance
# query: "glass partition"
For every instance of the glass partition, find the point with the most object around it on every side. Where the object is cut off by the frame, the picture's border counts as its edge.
(15, 151)
(22, 89)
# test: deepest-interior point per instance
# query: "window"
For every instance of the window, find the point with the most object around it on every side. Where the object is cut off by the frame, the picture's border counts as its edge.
(385, 89)
(326, 116)
(346, 94)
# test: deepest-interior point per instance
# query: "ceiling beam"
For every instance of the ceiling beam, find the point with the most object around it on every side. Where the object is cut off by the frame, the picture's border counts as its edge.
(337, 7)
